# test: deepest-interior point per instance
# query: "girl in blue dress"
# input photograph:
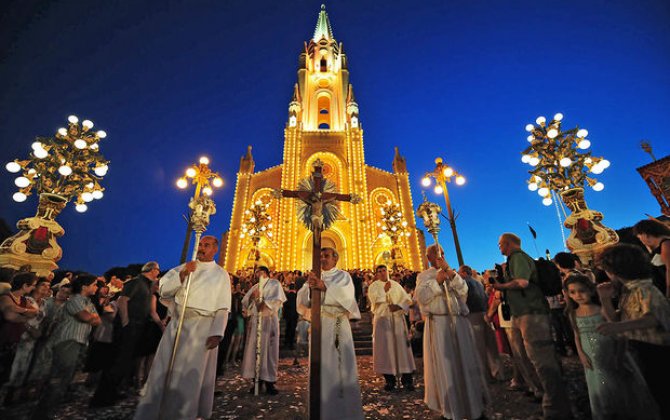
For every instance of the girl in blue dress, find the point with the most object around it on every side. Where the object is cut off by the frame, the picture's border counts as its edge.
(616, 387)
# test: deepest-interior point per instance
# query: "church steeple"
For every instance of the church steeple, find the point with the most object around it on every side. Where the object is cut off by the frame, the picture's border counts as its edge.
(323, 28)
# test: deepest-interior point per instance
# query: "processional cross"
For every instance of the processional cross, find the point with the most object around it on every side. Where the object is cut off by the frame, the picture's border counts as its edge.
(317, 213)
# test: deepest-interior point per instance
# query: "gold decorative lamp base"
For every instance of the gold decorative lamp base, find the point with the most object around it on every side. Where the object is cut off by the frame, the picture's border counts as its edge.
(587, 234)
(34, 247)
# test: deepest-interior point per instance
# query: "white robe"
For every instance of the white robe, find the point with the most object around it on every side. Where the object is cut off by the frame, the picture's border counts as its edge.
(389, 330)
(273, 296)
(340, 391)
(453, 374)
(191, 391)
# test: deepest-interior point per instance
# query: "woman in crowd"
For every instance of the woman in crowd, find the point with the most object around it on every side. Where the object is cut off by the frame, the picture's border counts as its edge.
(615, 384)
(15, 313)
(102, 347)
(24, 351)
(237, 318)
(154, 331)
(643, 315)
(656, 237)
(69, 341)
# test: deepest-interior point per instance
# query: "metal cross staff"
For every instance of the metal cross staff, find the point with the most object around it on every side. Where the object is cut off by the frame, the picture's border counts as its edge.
(316, 199)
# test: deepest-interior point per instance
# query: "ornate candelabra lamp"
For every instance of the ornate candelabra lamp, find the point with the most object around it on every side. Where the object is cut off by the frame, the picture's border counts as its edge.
(257, 224)
(393, 225)
(67, 166)
(200, 175)
(561, 165)
(444, 174)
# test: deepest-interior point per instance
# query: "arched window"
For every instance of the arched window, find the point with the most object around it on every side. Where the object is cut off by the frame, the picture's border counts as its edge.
(323, 65)
(323, 105)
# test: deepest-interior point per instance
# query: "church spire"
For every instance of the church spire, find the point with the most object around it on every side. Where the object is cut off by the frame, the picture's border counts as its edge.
(323, 28)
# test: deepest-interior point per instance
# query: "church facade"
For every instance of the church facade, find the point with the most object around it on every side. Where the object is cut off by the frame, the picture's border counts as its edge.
(323, 123)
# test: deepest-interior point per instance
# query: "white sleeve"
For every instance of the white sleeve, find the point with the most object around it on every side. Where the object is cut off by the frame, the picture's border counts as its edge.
(169, 284)
(218, 327)
(303, 301)
(458, 286)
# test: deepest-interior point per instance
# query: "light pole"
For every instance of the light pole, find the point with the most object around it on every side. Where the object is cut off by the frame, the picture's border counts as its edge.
(67, 166)
(561, 165)
(442, 175)
(200, 175)
(257, 224)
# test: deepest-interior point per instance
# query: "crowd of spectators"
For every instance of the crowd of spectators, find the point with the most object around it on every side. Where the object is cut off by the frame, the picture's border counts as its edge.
(613, 315)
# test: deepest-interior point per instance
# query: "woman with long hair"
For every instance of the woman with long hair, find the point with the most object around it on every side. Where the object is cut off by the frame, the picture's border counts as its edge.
(655, 236)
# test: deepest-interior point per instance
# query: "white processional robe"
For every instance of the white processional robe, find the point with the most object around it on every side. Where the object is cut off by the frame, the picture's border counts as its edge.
(273, 296)
(191, 391)
(389, 330)
(453, 374)
(340, 391)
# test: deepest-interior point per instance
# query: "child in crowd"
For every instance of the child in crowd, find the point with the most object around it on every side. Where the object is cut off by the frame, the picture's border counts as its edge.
(302, 339)
(615, 384)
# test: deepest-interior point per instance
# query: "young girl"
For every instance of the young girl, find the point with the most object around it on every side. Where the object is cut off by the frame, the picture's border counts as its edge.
(615, 384)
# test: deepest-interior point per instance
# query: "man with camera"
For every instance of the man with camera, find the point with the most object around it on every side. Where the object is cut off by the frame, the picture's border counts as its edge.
(530, 335)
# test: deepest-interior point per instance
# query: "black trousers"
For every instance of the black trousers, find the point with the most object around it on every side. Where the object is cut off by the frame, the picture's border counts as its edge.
(653, 362)
(114, 373)
(289, 332)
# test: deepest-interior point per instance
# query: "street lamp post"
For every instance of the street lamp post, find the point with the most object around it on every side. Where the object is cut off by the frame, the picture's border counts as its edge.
(562, 165)
(200, 174)
(442, 175)
(67, 166)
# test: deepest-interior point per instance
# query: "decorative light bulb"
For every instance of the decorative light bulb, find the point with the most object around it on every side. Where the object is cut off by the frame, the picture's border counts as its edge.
(588, 160)
(65, 170)
(530, 138)
(19, 197)
(62, 131)
(584, 144)
(599, 186)
(425, 182)
(87, 197)
(22, 182)
(438, 189)
(404, 223)
(605, 163)
(460, 180)
(81, 207)
(87, 124)
(80, 144)
(97, 194)
(190, 172)
(543, 192)
(530, 127)
(525, 158)
(532, 186)
(552, 133)
(597, 168)
(217, 182)
(90, 185)
(565, 162)
(540, 120)
(101, 170)
(558, 117)
(582, 133)
(547, 201)
(204, 160)
(534, 161)
(73, 119)
(13, 167)
(101, 134)
(448, 171)
(37, 145)
(40, 153)
(270, 234)
(207, 191)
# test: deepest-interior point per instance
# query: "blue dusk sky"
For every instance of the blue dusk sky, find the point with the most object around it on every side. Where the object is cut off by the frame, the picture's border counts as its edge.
(172, 80)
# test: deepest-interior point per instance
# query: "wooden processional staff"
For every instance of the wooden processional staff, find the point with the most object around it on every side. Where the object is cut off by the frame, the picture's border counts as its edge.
(317, 212)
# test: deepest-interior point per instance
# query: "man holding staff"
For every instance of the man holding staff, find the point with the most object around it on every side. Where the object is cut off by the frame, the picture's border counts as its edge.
(266, 297)
(190, 393)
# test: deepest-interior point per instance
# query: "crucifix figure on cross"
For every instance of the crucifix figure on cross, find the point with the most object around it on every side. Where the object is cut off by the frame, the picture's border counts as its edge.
(318, 212)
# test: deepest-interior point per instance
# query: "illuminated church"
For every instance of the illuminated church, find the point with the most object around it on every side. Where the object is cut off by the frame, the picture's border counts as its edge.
(323, 123)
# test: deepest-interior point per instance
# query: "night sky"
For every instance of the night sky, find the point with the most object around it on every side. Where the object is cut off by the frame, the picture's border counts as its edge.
(172, 80)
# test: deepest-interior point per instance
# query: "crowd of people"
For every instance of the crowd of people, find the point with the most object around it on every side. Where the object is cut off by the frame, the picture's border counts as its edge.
(507, 324)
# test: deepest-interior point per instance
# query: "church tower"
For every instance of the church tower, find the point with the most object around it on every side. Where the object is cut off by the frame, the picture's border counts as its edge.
(323, 123)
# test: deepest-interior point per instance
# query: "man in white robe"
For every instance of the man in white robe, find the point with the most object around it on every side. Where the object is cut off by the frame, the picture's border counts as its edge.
(340, 391)
(391, 350)
(267, 297)
(453, 374)
(190, 394)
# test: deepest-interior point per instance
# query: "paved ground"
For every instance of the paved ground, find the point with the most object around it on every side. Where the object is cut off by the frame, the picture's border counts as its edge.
(233, 401)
